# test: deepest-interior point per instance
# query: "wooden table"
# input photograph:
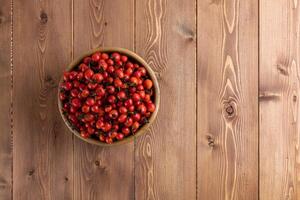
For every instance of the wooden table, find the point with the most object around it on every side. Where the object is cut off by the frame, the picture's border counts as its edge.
(228, 125)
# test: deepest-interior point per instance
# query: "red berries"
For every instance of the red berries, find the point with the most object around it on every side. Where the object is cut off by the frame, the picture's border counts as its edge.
(108, 97)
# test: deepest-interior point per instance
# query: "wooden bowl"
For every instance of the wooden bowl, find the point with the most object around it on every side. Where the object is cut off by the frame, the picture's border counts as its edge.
(151, 73)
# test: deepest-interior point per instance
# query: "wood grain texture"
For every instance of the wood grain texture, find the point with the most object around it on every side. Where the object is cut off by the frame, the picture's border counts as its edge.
(227, 99)
(165, 158)
(5, 101)
(42, 146)
(279, 100)
(103, 173)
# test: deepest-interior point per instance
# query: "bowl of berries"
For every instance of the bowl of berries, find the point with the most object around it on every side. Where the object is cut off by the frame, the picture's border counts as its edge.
(108, 96)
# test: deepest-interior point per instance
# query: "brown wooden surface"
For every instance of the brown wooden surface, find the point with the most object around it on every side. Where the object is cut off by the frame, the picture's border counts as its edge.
(279, 99)
(165, 158)
(43, 156)
(228, 123)
(227, 100)
(5, 102)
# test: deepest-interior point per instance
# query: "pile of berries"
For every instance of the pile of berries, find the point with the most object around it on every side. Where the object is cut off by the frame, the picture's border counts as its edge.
(108, 97)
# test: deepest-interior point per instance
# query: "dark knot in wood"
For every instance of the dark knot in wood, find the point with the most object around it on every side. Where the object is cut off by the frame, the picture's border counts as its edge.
(31, 172)
(105, 23)
(43, 17)
(211, 141)
(97, 163)
(230, 109)
(295, 98)
(66, 179)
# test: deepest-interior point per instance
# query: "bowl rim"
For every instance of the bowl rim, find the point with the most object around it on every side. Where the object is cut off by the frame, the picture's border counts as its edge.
(135, 57)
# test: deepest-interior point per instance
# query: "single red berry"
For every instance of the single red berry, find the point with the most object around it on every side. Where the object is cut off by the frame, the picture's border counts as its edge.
(88, 117)
(151, 107)
(137, 74)
(111, 99)
(106, 127)
(79, 76)
(140, 87)
(113, 114)
(90, 101)
(73, 119)
(110, 62)
(122, 118)
(118, 82)
(110, 79)
(104, 56)
(148, 84)
(66, 76)
(118, 63)
(91, 130)
(116, 56)
(85, 109)
(76, 84)
(142, 109)
(99, 124)
(72, 75)
(120, 136)
(147, 98)
(76, 102)
(108, 140)
(74, 93)
(136, 97)
(103, 65)
(128, 122)
(96, 57)
(124, 58)
(83, 67)
(134, 80)
(98, 77)
(128, 103)
(121, 95)
(142, 94)
(73, 109)
(123, 110)
(136, 117)
(88, 74)
(87, 60)
(119, 73)
(102, 138)
(67, 86)
(108, 108)
(129, 65)
(100, 91)
(142, 70)
(84, 134)
(62, 96)
(125, 130)
(135, 126)
(110, 89)
(129, 71)
(85, 93)
(95, 109)
(110, 69)
(137, 103)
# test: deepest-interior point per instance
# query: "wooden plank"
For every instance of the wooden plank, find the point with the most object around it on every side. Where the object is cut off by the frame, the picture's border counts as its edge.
(42, 146)
(165, 166)
(105, 173)
(227, 99)
(279, 100)
(5, 101)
